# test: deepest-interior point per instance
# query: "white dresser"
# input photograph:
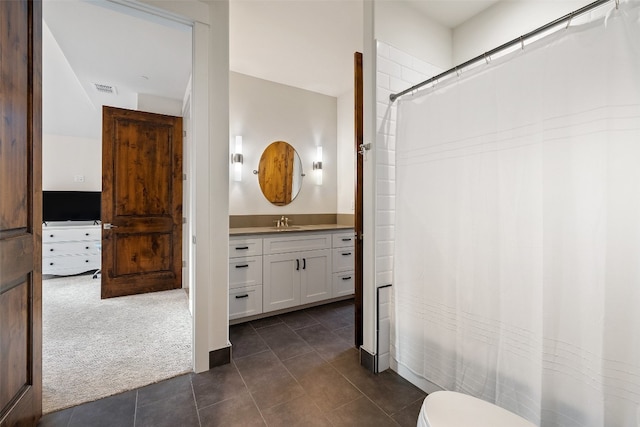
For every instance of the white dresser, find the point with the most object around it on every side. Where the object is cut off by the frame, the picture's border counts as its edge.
(70, 248)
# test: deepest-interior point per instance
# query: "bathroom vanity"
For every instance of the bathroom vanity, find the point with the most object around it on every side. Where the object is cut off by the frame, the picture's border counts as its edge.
(277, 270)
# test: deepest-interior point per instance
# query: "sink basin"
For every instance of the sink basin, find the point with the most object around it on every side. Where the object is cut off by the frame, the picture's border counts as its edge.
(289, 228)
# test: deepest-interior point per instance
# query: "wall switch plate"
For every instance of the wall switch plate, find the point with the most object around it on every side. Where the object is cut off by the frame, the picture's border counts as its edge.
(78, 178)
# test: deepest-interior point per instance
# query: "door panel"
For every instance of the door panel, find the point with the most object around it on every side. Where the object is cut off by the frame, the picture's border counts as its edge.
(315, 282)
(142, 200)
(20, 213)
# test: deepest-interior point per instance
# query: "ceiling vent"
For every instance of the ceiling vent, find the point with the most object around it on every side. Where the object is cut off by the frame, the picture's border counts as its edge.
(105, 88)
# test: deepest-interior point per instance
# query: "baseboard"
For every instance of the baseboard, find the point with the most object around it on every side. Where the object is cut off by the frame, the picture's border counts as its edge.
(406, 373)
(219, 357)
(367, 360)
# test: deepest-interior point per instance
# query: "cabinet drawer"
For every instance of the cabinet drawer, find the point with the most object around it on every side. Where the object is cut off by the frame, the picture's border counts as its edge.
(245, 272)
(81, 233)
(343, 259)
(344, 240)
(245, 247)
(343, 284)
(65, 265)
(70, 248)
(296, 243)
(245, 301)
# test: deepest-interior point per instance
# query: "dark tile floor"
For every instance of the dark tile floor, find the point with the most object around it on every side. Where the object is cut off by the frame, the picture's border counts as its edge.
(297, 369)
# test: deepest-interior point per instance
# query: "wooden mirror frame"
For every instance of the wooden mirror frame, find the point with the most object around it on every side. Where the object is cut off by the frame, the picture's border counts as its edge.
(280, 173)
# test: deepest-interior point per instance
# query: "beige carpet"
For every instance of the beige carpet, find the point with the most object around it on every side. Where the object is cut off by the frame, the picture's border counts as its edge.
(94, 348)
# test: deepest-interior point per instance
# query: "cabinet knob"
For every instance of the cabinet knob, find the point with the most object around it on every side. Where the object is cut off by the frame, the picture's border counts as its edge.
(86, 234)
(86, 247)
(50, 235)
(51, 250)
(86, 260)
(50, 263)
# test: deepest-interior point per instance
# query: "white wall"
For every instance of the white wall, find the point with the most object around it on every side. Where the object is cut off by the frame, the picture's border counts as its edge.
(67, 158)
(263, 112)
(159, 104)
(504, 22)
(401, 25)
(346, 154)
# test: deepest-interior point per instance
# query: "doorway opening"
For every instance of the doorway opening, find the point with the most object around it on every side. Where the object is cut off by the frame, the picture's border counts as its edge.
(81, 72)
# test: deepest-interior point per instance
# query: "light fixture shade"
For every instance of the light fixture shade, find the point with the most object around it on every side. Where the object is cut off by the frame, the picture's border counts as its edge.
(237, 159)
(317, 165)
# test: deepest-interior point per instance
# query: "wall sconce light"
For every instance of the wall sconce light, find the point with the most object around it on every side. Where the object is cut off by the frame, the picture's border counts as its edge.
(317, 165)
(237, 159)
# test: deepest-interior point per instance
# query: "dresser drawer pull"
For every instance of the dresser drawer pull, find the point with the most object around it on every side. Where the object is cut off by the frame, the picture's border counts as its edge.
(346, 253)
(242, 266)
(50, 263)
(86, 234)
(242, 248)
(348, 239)
(346, 278)
(242, 296)
(50, 235)
(86, 260)
(51, 250)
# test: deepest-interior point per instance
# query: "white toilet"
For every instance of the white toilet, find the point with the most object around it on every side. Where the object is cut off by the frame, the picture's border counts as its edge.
(451, 409)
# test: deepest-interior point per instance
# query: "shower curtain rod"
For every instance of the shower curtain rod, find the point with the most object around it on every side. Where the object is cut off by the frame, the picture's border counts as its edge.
(520, 40)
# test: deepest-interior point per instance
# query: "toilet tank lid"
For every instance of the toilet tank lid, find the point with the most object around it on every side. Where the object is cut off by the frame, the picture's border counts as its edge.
(452, 409)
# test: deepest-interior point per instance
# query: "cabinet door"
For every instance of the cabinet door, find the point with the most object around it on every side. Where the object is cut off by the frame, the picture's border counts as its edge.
(315, 282)
(281, 281)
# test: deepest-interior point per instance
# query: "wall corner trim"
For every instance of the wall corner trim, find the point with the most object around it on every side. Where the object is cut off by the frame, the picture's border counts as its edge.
(367, 360)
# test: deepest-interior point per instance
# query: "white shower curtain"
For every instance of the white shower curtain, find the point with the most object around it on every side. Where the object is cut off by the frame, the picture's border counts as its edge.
(517, 253)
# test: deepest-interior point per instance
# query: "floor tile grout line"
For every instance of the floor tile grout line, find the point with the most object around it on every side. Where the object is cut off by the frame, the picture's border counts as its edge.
(367, 396)
(195, 401)
(250, 394)
(135, 409)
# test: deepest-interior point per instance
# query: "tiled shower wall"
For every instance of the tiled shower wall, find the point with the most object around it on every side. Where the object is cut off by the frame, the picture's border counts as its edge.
(396, 71)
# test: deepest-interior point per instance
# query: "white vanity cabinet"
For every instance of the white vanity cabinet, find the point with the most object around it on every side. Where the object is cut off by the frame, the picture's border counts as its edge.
(343, 254)
(245, 277)
(70, 248)
(297, 270)
(279, 271)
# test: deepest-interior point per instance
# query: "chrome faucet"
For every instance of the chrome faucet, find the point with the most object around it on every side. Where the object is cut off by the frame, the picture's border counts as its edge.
(282, 222)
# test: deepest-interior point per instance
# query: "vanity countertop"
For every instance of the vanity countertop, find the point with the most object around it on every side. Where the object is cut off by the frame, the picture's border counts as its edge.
(290, 229)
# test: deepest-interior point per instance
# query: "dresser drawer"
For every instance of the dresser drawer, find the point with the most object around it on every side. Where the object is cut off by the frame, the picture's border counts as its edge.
(75, 264)
(344, 240)
(343, 259)
(54, 234)
(244, 247)
(343, 284)
(245, 302)
(245, 272)
(70, 248)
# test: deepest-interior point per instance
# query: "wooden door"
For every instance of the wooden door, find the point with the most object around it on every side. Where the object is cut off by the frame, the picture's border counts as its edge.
(20, 213)
(141, 202)
(359, 138)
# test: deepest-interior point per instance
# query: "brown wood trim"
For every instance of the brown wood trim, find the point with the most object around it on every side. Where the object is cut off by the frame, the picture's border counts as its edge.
(358, 139)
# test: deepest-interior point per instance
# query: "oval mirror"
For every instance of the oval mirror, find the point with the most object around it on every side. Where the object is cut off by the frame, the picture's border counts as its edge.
(280, 173)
